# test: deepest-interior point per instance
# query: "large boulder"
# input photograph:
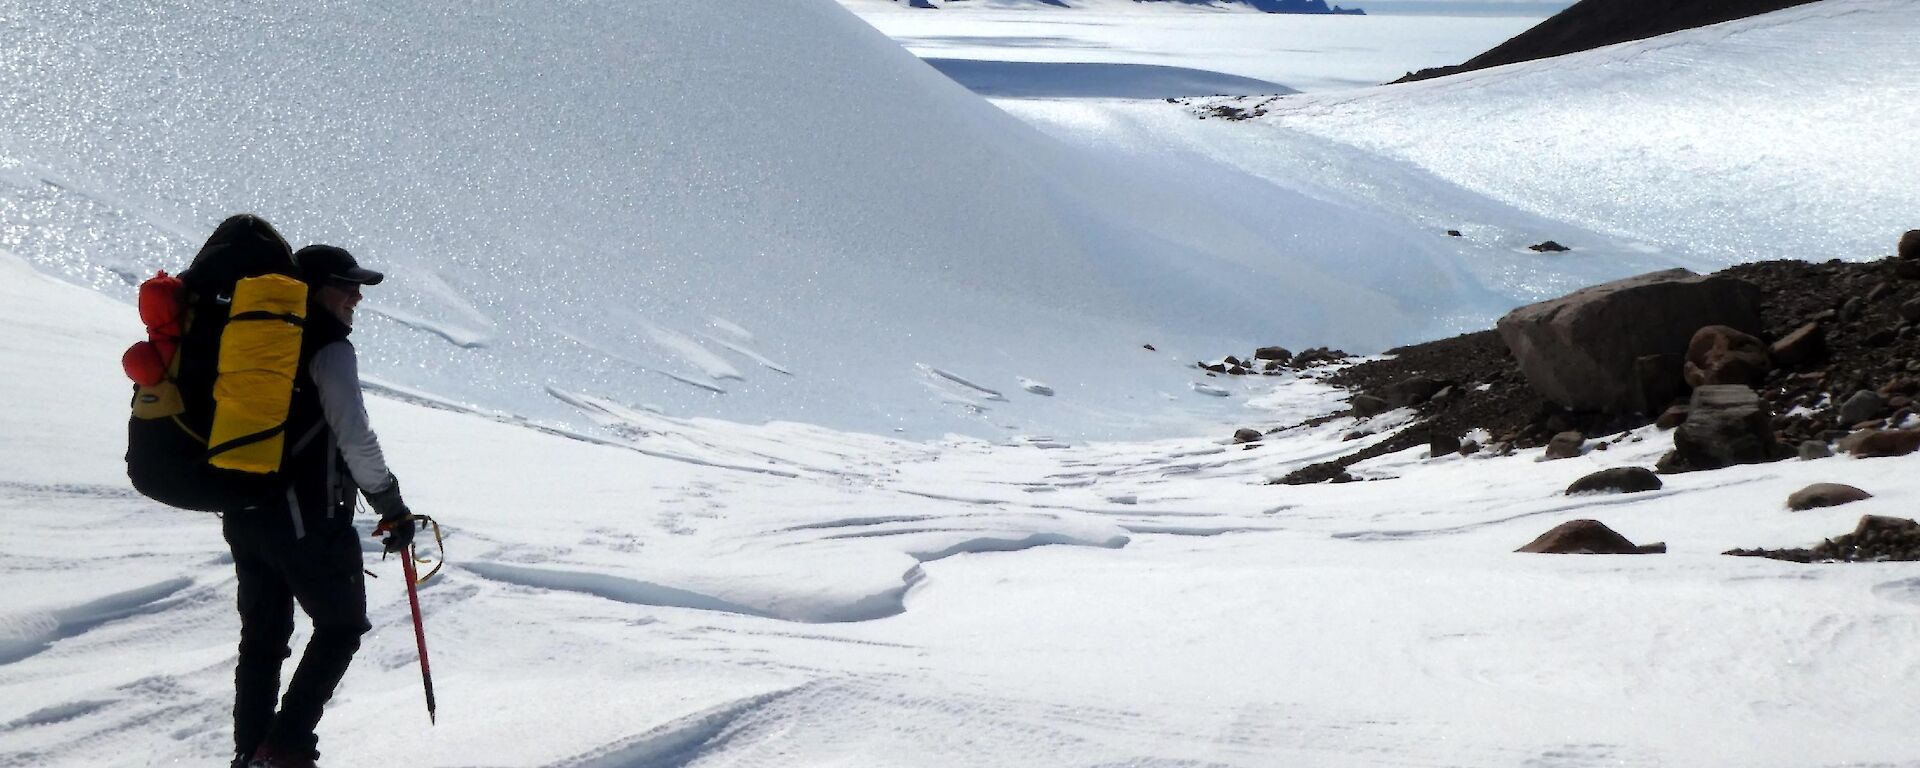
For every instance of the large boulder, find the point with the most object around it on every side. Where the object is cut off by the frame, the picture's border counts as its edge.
(1579, 350)
(1910, 245)
(1722, 355)
(1727, 424)
(1587, 537)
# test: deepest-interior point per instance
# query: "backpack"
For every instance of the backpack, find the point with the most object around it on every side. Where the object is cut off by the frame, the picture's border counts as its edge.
(213, 381)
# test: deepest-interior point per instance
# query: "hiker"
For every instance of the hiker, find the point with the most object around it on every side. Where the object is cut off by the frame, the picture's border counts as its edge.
(301, 547)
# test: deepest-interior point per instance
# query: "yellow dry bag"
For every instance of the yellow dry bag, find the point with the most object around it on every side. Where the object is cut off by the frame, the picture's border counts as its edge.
(259, 355)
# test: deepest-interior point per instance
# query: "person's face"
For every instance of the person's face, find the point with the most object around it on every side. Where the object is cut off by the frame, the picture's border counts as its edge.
(340, 299)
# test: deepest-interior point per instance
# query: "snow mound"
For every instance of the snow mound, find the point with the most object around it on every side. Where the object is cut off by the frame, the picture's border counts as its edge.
(574, 198)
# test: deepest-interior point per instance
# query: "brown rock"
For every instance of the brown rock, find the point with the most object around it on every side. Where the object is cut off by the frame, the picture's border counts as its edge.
(1825, 495)
(1579, 350)
(1672, 417)
(1910, 245)
(1368, 405)
(1443, 443)
(1565, 445)
(1412, 391)
(1879, 443)
(1722, 355)
(1617, 480)
(1586, 537)
(1814, 449)
(1805, 344)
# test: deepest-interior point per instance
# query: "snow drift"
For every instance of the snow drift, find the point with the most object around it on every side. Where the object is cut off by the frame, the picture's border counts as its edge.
(727, 208)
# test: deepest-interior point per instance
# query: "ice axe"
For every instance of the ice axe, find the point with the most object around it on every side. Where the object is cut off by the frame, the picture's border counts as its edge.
(413, 602)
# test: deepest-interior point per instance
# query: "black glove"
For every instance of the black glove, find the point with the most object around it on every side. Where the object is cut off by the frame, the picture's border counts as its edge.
(396, 521)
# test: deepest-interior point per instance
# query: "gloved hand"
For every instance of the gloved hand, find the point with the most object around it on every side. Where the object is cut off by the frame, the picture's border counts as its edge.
(396, 521)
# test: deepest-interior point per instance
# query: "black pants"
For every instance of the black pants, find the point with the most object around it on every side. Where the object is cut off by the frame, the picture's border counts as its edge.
(321, 572)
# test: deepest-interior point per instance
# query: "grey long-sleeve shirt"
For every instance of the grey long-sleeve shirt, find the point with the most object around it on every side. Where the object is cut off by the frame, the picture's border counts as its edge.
(336, 373)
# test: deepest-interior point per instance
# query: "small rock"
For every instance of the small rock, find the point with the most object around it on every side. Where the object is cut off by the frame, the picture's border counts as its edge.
(1469, 448)
(1411, 391)
(1617, 480)
(1272, 353)
(1602, 446)
(1244, 435)
(1443, 443)
(1232, 362)
(1815, 449)
(1214, 367)
(1565, 445)
(1368, 405)
(1880, 443)
(1910, 245)
(1548, 247)
(1453, 233)
(1879, 292)
(1805, 344)
(1864, 405)
(1825, 495)
(1672, 417)
(1586, 537)
(1850, 311)
(1148, 347)
(1910, 311)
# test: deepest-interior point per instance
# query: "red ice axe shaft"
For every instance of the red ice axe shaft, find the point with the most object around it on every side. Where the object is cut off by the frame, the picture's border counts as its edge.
(419, 630)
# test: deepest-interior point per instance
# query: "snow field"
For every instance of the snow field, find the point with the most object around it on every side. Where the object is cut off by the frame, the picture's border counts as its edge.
(877, 602)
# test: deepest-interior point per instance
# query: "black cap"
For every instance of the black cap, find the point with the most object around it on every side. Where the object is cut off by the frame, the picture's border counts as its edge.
(321, 264)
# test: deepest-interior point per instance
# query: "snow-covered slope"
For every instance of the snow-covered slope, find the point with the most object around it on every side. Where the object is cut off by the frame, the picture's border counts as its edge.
(1788, 135)
(860, 601)
(726, 208)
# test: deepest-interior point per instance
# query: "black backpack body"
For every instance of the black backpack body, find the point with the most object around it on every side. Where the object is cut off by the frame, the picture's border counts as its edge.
(168, 452)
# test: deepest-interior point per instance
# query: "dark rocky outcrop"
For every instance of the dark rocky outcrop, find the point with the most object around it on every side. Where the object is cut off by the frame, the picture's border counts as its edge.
(1617, 480)
(1825, 495)
(1580, 350)
(1587, 537)
(1592, 24)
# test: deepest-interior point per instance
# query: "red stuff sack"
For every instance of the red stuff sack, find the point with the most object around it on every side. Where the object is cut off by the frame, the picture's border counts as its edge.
(162, 303)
